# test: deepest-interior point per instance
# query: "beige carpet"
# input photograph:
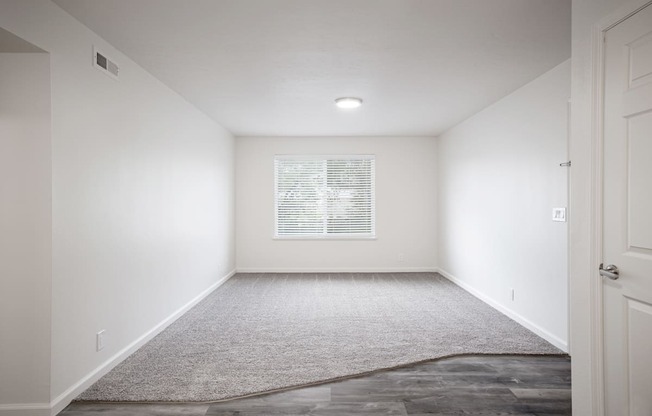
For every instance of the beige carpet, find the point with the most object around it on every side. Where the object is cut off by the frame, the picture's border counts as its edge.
(261, 332)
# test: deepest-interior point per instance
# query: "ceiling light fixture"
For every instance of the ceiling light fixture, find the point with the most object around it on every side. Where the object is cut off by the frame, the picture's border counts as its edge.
(348, 102)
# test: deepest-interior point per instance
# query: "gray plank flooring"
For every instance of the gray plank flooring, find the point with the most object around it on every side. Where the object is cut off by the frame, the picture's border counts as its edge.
(467, 385)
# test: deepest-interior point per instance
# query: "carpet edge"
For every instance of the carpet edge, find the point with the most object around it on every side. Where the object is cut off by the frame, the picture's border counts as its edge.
(331, 380)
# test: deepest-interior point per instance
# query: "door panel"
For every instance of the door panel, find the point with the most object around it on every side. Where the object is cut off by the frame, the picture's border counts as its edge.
(639, 321)
(640, 180)
(627, 221)
(640, 52)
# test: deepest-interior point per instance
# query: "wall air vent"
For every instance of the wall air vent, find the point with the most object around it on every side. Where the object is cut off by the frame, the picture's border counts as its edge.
(104, 64)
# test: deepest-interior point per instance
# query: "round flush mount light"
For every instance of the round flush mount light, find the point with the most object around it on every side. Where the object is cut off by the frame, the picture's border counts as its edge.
(348, 102)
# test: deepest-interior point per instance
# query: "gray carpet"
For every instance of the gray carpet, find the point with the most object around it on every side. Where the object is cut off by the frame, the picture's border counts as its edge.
(261, 332)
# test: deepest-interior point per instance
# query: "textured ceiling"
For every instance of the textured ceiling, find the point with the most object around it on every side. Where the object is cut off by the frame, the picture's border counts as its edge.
(274, 67)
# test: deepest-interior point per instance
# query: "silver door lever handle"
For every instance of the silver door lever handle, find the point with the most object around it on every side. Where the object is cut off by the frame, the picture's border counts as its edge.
(610, 271)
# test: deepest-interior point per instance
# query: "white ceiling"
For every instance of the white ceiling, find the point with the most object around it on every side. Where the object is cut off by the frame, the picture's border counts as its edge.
(274, 67)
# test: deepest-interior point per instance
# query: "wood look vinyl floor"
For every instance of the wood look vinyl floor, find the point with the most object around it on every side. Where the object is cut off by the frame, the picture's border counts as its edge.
(467, 385)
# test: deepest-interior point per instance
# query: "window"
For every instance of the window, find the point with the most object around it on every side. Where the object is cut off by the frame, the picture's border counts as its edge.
(325, 196)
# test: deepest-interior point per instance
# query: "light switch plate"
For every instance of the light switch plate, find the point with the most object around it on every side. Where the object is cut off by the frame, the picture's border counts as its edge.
(559, 214)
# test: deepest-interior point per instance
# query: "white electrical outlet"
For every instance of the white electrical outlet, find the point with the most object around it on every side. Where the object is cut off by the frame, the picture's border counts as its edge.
(100, 340)
(401, 258)
(513, 294)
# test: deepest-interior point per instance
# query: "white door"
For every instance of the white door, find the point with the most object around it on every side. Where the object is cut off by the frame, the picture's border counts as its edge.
(627, 221)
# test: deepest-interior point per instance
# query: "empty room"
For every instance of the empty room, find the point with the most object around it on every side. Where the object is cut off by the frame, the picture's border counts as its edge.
(311, 207)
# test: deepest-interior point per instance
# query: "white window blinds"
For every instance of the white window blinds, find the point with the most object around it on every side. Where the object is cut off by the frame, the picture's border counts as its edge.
(325, 196)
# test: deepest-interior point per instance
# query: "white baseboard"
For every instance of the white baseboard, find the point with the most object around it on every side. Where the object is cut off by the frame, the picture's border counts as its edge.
(554, 340)
(338, 270)
(59, 403)
(25, 409)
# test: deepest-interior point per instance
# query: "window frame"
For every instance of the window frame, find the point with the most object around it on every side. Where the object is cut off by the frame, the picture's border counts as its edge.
(326, 236)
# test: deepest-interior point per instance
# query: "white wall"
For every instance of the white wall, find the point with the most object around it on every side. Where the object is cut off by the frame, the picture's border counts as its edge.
(498, 180)
(25, 228)
(142, 197)
(405, 207)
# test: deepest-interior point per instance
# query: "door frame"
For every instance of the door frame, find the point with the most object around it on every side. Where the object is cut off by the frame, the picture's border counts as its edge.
(598, 34)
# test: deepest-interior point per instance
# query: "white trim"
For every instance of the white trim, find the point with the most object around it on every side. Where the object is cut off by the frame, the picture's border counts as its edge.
(313, 156)
(554, 340)
(324, 237)
(25, 409)
(569, 183)
(595, 250)
(339, 270)
(597, 158)
(59, 403)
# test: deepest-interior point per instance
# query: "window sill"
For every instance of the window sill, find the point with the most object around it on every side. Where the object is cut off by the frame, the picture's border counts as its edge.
(323, 238)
